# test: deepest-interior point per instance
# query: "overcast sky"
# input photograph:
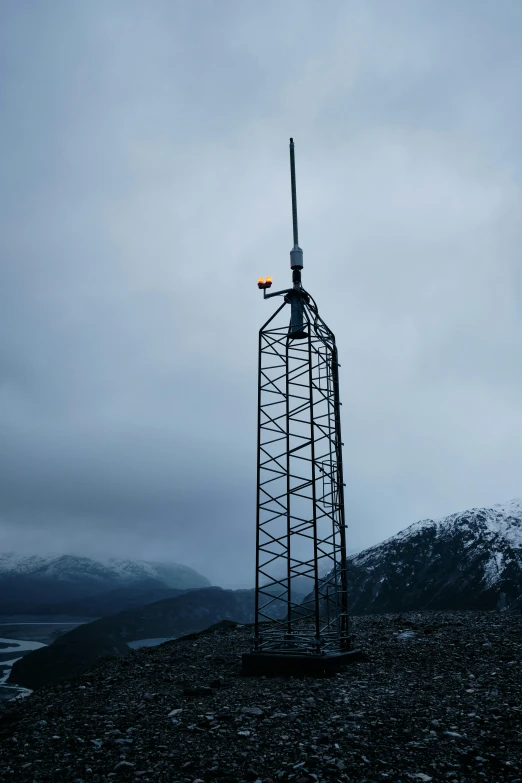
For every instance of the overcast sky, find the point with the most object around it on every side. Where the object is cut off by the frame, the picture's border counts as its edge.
(144, 186)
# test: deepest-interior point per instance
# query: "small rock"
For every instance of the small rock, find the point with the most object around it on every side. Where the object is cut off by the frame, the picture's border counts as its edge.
(121, 766)
(174, 712)
(198, 690)
(252, 711)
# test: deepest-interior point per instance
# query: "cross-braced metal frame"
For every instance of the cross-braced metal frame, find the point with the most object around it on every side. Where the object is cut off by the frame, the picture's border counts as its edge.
(300, 503)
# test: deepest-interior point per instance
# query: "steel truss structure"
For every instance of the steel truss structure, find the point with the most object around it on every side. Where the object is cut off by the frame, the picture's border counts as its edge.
(300, 501)
(301, 616)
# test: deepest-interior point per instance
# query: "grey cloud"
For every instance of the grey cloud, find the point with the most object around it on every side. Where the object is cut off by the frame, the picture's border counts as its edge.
(145, 187)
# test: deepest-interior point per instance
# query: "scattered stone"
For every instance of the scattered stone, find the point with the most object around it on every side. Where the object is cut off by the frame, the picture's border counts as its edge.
(413, 703)
(121, 766)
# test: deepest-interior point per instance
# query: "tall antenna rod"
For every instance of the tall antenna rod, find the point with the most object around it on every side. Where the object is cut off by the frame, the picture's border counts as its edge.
(294, 193)
(296, 254)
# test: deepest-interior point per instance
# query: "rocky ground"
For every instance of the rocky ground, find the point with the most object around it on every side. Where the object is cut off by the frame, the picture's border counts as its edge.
(440, 699)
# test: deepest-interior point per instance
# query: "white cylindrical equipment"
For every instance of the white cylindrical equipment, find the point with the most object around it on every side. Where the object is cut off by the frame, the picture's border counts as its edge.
(296, 258)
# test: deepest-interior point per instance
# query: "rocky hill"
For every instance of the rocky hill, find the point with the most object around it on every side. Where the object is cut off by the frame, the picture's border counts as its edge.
(438, 700)
(27, 582)
(469, 560)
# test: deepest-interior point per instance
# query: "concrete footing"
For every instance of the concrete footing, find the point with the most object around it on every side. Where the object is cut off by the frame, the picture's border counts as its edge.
(266, 664)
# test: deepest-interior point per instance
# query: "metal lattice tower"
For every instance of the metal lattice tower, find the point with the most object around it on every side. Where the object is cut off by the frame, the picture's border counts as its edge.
(300, 537)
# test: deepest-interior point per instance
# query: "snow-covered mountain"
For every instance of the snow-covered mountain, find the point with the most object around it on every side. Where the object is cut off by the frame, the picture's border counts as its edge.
(53, 577)
(469, 560)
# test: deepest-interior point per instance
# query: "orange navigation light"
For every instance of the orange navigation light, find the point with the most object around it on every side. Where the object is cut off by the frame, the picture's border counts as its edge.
(260, 280)
(268, 281)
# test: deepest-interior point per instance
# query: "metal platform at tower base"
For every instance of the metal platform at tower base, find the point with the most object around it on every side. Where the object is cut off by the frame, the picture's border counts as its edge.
(286, 665)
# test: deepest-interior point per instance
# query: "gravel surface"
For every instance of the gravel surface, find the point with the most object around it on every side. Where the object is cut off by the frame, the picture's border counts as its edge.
(440, 699)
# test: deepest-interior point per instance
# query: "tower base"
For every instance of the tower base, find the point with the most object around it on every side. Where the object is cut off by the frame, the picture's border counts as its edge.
(283, 665)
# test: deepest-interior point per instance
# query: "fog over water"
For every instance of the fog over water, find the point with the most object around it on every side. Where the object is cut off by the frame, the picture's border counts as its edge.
(145, 187)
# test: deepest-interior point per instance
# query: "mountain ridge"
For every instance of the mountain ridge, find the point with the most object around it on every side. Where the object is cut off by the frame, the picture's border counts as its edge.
(468, 560)
(55, 578)
(471, 560)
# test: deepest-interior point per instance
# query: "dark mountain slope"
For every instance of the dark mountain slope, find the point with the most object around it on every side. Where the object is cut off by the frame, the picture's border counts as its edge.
(99, 605)
(73, 652)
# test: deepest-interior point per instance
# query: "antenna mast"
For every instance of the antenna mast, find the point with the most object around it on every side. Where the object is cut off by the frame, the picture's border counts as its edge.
(296, 254)
(300, 524)
(294, 192)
